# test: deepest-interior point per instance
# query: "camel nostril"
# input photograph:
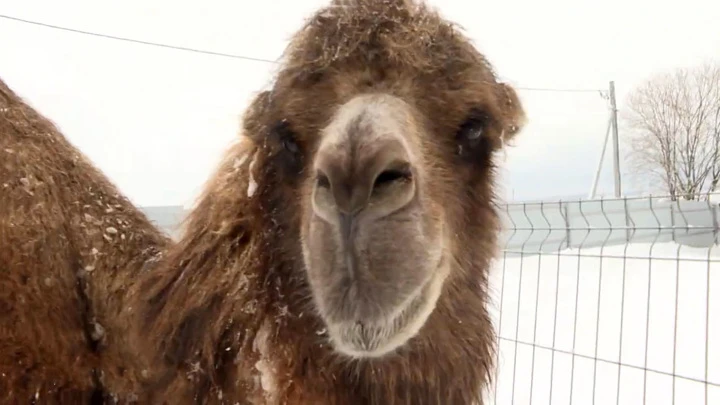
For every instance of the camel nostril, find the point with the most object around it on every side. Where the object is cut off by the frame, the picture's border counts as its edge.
(322, 180)
(390, 176)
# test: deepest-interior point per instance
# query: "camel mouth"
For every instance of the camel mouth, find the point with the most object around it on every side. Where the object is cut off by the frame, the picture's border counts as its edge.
(373, 339)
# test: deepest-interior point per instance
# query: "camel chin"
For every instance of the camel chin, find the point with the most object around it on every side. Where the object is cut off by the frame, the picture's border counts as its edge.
(378, 338)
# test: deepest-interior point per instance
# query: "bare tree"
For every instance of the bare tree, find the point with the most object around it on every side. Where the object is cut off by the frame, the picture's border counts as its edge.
(674, 122)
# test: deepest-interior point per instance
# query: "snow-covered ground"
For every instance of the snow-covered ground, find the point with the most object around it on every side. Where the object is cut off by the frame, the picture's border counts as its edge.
(678, 342)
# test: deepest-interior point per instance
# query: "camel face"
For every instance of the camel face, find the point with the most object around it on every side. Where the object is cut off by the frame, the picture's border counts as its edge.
(373, 240)
(378, 139)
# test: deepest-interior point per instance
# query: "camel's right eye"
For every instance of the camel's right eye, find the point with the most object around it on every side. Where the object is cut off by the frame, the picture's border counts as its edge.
(287, 150)
(290, 145)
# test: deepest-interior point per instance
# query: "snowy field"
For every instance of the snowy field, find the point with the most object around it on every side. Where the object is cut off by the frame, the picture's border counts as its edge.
(561, 314)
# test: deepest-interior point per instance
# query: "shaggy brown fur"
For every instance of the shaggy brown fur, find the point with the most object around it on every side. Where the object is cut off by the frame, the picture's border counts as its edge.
(226, 317)
(70, 246)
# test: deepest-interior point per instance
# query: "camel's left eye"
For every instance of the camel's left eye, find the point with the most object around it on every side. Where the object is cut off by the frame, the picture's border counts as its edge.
(472, 139)
(473, 128)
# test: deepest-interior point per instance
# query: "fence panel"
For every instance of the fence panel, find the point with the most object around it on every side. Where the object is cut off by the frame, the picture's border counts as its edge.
(608, 302)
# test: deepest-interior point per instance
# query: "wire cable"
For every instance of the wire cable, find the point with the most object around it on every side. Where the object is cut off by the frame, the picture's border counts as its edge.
(137, 41)
(227, 55)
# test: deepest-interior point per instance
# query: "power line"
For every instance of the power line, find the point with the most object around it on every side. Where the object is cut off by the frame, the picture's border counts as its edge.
(137, 41)
(226, 55)
(561, 90)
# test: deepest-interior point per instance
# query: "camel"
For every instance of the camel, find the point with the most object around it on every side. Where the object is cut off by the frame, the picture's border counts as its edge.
(338, 255)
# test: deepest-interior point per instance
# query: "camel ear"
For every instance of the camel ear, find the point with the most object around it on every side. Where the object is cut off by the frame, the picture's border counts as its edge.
(255, 116)
(512, 114)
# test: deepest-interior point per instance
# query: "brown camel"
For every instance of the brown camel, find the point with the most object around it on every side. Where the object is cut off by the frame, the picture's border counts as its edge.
(339, 255)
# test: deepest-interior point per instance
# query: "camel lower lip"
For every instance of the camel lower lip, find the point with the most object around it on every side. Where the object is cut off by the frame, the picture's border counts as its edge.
(358, 340)
(363, 339)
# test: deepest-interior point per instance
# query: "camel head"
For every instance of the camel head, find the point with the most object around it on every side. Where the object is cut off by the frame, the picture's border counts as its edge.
(377, 142)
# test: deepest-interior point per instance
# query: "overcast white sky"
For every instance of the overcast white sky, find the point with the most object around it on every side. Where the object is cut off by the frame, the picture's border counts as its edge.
(156, 120)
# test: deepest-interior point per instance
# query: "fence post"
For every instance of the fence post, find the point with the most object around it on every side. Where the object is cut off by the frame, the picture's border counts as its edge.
(672, 218)
(616, 142)
(715, 224)
(567, 224)
(627, 221)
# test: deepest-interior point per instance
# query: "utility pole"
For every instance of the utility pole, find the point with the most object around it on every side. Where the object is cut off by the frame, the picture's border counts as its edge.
(616, 142)
(593, 190)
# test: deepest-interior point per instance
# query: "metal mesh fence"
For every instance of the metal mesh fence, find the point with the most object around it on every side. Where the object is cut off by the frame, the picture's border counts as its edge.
(608, 302)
